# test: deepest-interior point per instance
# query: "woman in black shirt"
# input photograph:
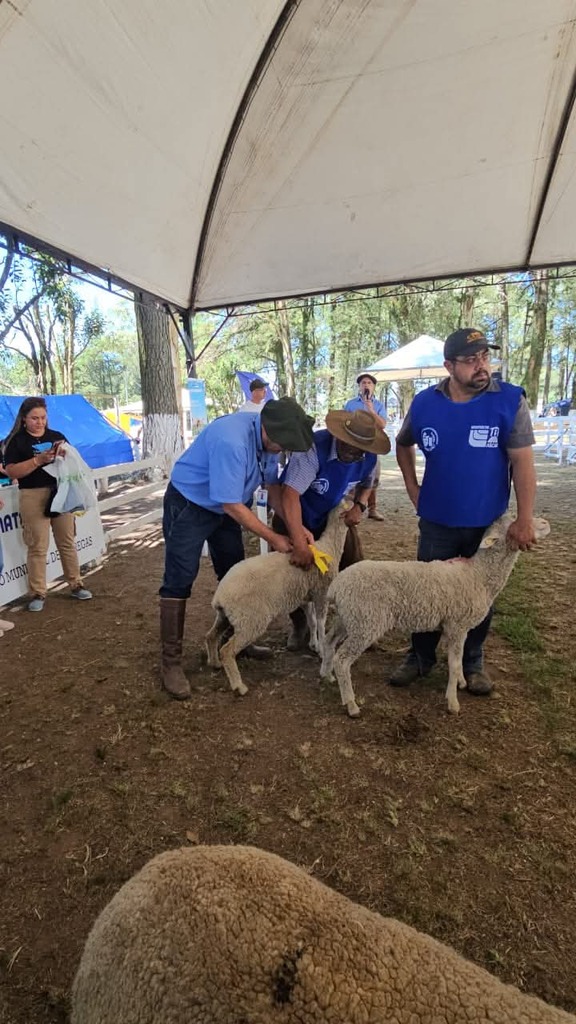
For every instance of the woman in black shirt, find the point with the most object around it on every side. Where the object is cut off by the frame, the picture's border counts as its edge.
(29, 447)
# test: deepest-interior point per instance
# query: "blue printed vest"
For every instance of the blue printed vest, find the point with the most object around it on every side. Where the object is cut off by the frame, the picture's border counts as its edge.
(467, 475)
(333, 480)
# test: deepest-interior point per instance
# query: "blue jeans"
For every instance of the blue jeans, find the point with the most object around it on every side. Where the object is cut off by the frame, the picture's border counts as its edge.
(186, 527)
(444, 542)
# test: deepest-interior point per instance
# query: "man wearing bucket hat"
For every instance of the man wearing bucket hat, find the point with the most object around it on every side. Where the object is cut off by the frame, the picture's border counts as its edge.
(342, 457)
(207, 501)
(365, 400)
(476, 435)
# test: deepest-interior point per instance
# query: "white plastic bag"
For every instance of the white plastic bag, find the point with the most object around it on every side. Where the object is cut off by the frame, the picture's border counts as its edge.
(75, 492)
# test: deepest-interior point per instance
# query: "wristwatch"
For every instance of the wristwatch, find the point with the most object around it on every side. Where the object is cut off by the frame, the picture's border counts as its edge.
(361, 505)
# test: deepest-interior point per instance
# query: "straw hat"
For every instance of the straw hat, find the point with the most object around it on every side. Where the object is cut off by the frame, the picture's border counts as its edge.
(359, 429)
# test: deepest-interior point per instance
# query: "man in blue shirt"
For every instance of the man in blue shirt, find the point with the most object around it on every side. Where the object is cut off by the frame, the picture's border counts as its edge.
(206, 501)
(476, 435)
(342, 457)
(365, 400)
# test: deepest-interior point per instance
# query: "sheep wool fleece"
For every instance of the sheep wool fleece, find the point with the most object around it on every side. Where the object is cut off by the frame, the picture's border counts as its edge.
(234, 935)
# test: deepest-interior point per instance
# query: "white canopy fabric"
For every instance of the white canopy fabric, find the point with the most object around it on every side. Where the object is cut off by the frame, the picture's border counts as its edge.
(225, 151)
(421, 359)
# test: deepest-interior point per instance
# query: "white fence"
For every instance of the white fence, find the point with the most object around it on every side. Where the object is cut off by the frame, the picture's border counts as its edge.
(556, 438)
(129, 497)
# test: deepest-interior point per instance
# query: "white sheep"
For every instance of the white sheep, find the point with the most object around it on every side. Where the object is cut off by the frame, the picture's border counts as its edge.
(255, 591)
(372, 598)
(231, 934)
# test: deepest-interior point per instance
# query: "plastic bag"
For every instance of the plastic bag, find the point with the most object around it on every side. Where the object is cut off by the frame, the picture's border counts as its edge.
(75, 490)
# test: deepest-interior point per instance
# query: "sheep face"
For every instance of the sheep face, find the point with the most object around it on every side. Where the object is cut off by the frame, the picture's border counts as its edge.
(498, 531)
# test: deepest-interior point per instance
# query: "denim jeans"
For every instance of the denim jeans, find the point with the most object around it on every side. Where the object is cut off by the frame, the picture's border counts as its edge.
(444, 542)
(186, 527)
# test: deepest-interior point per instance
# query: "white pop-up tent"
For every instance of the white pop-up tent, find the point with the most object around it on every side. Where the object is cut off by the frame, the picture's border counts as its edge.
(226, 151)
(421, 359)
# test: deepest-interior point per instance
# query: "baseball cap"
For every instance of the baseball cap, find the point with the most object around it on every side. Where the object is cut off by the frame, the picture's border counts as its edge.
(465, 342)
(258, 383)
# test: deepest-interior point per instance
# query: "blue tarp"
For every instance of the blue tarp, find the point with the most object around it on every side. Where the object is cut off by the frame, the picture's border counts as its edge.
(98, 441)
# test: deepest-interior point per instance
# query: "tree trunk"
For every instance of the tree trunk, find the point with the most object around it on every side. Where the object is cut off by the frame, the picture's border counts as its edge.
(283, 330)
(538, 337)
(467, 301)
(504, 316)
(162, 436)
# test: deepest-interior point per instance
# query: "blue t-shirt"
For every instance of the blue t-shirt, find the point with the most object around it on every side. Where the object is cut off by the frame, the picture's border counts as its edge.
(225, 463)
(467, 475)
(356, 403)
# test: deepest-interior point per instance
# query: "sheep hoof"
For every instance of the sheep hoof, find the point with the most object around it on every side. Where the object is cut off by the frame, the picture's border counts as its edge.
(214, 662)
(352, 709)
(326, 677)
(453, 709)
(241, 689)
(462, 684)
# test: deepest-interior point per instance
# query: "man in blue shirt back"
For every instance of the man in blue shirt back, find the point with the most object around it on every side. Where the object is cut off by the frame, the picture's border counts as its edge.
(365, 400)
(206, 501)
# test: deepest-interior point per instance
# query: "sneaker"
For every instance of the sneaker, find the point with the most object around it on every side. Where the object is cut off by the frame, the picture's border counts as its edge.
(81, 594)
(479, 683)
(36, 604)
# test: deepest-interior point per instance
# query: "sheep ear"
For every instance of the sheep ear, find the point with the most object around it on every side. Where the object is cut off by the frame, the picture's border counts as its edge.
(488, 541)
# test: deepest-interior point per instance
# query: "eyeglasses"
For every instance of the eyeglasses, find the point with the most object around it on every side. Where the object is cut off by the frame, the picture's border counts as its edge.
(476, 360)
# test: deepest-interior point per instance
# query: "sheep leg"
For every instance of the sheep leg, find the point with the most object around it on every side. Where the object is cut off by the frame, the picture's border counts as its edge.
(332, 639)
(348, 652)
(319, 606)
(456, 680)
(312, 622)
(228, 653)
(213, 637)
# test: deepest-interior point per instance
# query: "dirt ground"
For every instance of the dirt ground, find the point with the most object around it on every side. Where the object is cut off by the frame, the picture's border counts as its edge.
(463, 827)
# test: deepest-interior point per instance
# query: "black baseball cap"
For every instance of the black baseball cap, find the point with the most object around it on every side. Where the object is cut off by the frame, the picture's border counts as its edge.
(258, 383)
(465, 342)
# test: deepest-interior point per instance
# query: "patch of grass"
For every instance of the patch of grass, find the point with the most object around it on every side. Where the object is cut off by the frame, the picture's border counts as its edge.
(59, 800)
(518, 621)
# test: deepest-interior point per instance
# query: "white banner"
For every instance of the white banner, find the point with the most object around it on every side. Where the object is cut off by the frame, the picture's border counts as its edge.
(90, 544)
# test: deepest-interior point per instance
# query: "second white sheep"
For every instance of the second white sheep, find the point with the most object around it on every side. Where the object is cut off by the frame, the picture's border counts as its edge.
(419, 597)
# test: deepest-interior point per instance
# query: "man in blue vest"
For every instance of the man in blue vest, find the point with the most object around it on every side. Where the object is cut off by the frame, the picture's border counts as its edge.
(342, 457)
(476, 435)
(365, 400)
(207, 500)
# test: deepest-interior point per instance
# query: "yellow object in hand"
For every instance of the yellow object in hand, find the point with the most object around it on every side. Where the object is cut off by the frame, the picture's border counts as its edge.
(321, 559)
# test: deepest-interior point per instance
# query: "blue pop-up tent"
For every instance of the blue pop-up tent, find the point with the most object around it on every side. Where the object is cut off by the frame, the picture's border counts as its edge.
(98, 441)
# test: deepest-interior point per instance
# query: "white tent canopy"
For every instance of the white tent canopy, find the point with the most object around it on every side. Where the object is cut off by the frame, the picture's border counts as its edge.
(226, 151)
(421, 359)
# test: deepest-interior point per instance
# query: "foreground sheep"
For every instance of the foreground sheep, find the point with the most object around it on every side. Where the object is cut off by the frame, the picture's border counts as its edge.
(418, 597)
(233, 935)
(255, 591)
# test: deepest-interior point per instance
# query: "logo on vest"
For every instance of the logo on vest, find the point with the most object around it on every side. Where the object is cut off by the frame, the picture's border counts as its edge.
(320, 486)
(429, 439)
(483, 437)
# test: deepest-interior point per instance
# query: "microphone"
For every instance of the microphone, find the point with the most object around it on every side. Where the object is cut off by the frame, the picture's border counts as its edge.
(366, 393)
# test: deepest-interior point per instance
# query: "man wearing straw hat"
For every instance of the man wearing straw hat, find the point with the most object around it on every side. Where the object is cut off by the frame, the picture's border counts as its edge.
(343, 457)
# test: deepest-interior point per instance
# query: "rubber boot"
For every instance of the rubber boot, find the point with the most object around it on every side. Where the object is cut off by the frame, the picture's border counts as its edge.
(172, 614)
(373, 512)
